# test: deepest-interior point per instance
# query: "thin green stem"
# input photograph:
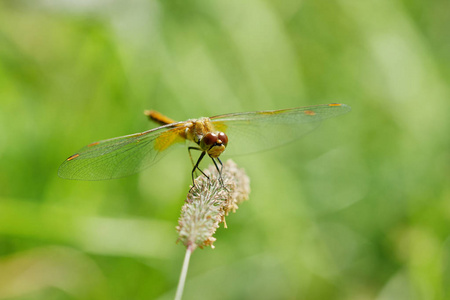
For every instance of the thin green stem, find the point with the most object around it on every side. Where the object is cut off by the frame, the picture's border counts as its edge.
(183, 274)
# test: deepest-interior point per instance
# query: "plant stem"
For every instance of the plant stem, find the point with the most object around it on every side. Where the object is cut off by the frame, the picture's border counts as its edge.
(183, 274)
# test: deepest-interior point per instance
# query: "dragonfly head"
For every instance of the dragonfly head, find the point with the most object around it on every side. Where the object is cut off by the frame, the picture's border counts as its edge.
(214, 143)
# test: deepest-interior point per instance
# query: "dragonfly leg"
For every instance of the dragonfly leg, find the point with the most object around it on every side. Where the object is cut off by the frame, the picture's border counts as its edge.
(221, 166)
(190, 155)
(219, 170)
(197, 168)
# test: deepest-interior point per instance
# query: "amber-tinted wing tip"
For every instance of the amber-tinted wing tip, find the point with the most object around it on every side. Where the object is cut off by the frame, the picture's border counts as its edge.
(75, 155)
(341, 105)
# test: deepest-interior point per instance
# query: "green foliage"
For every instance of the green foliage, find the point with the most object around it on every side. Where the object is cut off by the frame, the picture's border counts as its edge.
(359, 209)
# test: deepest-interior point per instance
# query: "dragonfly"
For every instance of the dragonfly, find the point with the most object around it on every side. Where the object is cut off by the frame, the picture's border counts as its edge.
(232, 134)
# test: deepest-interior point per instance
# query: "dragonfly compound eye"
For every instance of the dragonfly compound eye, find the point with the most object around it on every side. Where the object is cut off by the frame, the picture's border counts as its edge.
(209, 139)
(223, 137)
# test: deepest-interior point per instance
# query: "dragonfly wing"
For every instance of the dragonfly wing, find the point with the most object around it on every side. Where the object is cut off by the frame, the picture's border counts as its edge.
(261, 130)
(122, 156)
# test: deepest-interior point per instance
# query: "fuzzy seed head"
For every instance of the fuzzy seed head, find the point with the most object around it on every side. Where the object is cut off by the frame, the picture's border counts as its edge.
(209, 201)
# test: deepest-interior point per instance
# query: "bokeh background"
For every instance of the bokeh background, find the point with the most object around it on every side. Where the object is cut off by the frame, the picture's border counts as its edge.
(358, 209)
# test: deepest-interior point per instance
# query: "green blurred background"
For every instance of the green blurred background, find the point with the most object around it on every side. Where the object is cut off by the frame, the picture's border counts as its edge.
(359, 209)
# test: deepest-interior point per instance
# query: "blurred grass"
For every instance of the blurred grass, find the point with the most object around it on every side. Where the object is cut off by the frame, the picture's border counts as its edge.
(359, 209)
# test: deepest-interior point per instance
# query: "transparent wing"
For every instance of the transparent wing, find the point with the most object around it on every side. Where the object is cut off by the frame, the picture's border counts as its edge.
(261, 130)
(121, 156)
